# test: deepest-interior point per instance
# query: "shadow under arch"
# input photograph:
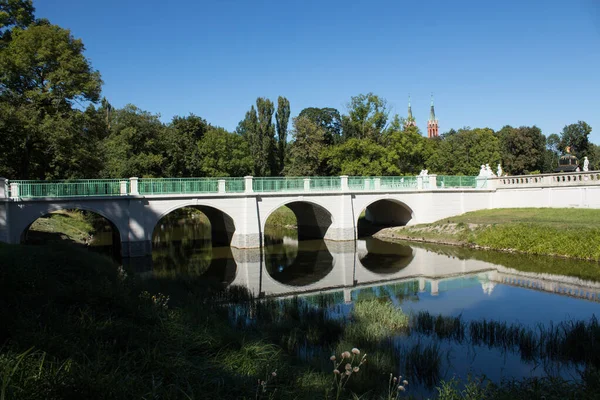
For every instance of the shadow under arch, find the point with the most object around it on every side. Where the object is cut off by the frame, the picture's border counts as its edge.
(384, 258)
(222, 226)
(313, 220)
(383, 213)
(102, 241)
(303, 264)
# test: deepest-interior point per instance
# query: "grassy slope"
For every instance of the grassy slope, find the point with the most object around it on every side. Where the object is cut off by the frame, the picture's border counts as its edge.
(560, 232)
(65, 224)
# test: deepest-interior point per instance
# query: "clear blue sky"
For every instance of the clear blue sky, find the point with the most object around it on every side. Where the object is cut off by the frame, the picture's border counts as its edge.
(489, 63)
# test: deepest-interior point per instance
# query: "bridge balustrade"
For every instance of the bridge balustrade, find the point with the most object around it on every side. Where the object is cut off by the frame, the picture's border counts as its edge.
(541, 180)
(168, 186)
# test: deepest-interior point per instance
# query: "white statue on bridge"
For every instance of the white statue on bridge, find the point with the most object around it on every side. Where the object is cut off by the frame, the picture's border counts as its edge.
(424, 172)
(586, 164)
(482, 171)
(499, 172)
(489, 173)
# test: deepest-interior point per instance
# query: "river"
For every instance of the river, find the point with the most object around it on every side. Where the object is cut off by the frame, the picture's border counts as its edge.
(464, 287)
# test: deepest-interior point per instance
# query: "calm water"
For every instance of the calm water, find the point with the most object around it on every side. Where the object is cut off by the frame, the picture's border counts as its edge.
(439, 280)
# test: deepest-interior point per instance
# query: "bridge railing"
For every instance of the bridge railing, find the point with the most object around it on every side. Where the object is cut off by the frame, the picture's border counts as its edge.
(586, 178)
(171, 186)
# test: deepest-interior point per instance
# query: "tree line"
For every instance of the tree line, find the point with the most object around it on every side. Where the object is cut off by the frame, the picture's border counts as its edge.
(55, 125)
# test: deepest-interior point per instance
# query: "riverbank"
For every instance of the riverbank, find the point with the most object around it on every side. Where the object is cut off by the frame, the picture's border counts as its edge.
(567, 232)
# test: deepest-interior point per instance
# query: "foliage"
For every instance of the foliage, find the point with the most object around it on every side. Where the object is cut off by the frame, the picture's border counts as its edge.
(359, 157)
(305, 157)
(367, 117)
(523, 149)
(327, 118)
(575, 136)
(221, 153)
(282, 118)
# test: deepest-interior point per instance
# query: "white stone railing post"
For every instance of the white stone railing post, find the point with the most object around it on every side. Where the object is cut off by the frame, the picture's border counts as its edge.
(134, 186)
(432, 182)
(377, 183)
(306, 184)
(123, 188)
(221, 186)
(3, 188)
(344, 179)
(14, 190)
(491, 183)
(419, 182)
(248, 184)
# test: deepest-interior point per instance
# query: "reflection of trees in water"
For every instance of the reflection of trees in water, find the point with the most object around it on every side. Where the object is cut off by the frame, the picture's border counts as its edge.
(386, 257)
(298, 265)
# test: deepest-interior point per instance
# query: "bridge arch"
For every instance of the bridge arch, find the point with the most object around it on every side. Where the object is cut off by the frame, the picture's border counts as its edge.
(382, 213)
(313, 219)
(222, 225)
(20, 226)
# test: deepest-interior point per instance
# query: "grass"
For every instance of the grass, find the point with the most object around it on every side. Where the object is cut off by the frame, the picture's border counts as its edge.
(75, 226)
(283, 217)
(573, 233)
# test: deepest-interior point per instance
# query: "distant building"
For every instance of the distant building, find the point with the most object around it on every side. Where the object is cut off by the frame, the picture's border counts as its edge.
(410, 120)
(432, 124)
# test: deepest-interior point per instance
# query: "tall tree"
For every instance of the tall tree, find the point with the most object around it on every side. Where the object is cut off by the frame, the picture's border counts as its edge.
(575, 136)
(249, 130)
(367, 117)
(305, 152)
(221, 153)
(523, 149)
(14, 13)
(282, 118)
(327, 118)
(182, 137)
(43, 73)
(267, 161)
(359, 157)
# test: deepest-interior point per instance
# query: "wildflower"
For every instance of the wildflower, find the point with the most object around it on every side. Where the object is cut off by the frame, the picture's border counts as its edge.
(405, 382)
(348, 373)
(355, 369)
(336, 371)
(348, 367)
(401, 388)
(274, 374)
(355, 351)
(332, 358)
(395, 379)
(346, 354)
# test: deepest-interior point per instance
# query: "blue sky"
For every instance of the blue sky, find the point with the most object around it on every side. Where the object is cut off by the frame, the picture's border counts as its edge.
(489, 63)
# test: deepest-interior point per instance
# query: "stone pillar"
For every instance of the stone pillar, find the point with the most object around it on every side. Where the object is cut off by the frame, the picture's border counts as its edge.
(377, 183)
(435, 288)
(14, 190)
(123, 188)
(432, 182)
(419, 183)
(482, 182)
(221, 183)
(492, 183)
(3, 188)
(134, 186)
(306, 184)
(345, 186)
(248, 184)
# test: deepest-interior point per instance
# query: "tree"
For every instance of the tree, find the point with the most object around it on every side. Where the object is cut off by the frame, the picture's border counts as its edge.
(182, 137)
(359, 157)
(575, 136)
(407, 150)
(367, 117)
(523, 149)
(257, 128)
(43, 74)
(136, 145)
(221, 153)
(327, 118)
(282, 118)
(305, 152)
(14, 13)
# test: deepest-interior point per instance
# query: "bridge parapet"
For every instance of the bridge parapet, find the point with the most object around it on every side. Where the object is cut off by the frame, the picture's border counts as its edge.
(588, 178)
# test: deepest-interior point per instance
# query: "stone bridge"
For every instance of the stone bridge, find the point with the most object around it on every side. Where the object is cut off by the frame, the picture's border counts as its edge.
(326, 207)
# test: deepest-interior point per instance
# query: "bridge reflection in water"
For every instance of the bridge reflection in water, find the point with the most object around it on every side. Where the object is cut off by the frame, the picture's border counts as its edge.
(294, 267)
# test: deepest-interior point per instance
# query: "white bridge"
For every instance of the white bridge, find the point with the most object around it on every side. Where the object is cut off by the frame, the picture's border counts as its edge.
(326, 208)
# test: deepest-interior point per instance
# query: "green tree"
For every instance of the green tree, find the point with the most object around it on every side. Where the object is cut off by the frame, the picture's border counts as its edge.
(359, 157)
(182, 137)
(221, 153)
(407, 150)
(136, 145)
(575, 136)
(257, 128)
(43, 73)
(282, 118)
(14, 13)
(523, 149)
(367, 117)
(327, 118)
(305, 151)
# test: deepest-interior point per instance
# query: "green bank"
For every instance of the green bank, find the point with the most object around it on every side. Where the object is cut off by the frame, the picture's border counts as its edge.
(563, 232)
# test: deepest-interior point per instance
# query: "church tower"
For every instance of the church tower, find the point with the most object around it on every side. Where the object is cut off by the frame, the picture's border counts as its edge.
(410, 120)
(432, 124)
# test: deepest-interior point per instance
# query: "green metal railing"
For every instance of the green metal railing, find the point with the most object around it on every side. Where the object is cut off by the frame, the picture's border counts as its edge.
(177, 185)
(456, 181)
(160, 186)
(276, 184)
(325, 183)
(74, 188)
